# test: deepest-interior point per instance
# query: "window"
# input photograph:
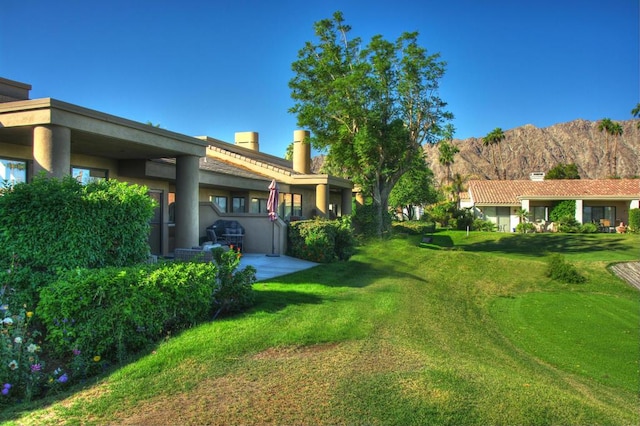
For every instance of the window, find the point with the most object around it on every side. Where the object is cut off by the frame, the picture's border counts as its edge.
(539, 213)
(597, 214)
(86, 175)
(290, 205)
(258, 205)
(237, 205)
(220, 201)
(13, 171)
(171, 200)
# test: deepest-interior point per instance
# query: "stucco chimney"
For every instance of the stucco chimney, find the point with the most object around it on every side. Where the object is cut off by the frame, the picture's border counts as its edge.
(248, 140)
(301, 151)
(13, 90)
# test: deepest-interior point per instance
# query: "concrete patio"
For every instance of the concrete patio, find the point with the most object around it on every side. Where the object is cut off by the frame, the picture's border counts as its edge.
(269, 267)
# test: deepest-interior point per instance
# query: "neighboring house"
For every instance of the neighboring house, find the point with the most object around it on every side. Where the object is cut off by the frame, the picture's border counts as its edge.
(599, 201)
(195, 180)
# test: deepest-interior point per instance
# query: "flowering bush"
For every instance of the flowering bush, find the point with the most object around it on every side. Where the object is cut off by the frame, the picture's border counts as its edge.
(21, 369)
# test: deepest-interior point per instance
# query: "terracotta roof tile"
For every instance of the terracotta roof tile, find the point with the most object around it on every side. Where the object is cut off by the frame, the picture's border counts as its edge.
(509, 192)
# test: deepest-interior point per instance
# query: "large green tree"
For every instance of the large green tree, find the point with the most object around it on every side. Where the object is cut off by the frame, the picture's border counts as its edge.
(492, 141)
(369, 107)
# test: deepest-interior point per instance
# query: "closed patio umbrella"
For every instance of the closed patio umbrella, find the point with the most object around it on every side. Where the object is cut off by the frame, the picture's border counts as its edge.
(272, 208)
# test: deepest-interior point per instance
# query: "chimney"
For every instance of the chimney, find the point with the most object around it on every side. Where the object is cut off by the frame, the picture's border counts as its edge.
(13, 90)
(301, 151)
(536, 176)
(248, 140)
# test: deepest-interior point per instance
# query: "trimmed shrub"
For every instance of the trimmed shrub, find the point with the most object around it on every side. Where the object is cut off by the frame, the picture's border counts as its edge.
(58, 224)
(114, 312)
(563, 211)
(321, 240)
(559, 269)
(414, 227)
(634, 220)
(483, 225)
(525, 228)
(588, 228)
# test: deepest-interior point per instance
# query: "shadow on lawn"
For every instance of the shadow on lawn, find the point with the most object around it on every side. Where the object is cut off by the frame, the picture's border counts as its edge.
(542, 244)
(276, 300)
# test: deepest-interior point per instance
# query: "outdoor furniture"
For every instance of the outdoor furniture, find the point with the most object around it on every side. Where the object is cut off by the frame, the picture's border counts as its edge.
(229, 232)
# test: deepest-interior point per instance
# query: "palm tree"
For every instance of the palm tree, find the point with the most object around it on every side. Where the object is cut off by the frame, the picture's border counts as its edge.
(523, 215)
(458, 185)
(616, 131)
(493, 139)
(605, 126)
(447, 152)
(636, 113)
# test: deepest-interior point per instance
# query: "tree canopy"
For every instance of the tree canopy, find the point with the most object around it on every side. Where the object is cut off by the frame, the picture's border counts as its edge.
(415, 188)
(369, 107)
(563, 171)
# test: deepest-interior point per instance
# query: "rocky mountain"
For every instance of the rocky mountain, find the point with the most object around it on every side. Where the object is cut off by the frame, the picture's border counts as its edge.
(529, 149)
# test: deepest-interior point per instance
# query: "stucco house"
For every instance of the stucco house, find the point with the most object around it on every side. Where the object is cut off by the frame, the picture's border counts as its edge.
(195, 180)
(601, 201)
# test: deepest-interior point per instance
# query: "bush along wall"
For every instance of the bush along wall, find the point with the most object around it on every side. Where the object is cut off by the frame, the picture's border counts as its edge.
(321, 240)
(634, 220)
(58, 224)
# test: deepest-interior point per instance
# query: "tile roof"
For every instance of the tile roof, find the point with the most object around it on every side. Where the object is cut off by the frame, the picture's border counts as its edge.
(510, 192)
(218, 166)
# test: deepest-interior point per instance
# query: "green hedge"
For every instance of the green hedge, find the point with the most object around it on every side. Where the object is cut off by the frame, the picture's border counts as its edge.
(50, 225)
(634, 220)
(321, 240)
(114, 312)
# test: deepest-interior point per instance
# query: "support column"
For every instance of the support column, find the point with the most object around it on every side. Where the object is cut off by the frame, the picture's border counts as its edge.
(322, 200)
(579, 210)
(187, 208)
(346, 202)
(52, 150)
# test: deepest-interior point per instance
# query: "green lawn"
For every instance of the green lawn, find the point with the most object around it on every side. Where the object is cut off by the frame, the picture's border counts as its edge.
(464, 330)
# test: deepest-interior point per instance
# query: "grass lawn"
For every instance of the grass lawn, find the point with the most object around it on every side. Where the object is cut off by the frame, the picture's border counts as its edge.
(463, 330)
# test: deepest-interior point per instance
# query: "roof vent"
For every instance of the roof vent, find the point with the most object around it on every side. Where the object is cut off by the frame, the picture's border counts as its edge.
(536, 176)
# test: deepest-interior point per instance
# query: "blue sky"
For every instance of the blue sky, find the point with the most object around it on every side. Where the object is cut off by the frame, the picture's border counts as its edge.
(217, 67)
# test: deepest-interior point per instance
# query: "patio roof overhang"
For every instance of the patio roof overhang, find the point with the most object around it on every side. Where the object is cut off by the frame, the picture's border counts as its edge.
(93, 132)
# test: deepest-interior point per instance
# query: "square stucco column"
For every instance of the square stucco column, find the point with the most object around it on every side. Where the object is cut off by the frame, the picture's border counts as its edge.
(346, 202)
(187, 216)
(579, 210)
(52, 150)
(322, 200)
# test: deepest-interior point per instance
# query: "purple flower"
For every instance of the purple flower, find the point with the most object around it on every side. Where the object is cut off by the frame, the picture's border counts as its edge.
(5, 388)
(76, 352)
(63, 378)
(35, 367)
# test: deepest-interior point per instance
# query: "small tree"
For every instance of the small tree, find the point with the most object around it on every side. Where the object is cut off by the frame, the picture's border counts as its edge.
(415, 188)
(563, 171)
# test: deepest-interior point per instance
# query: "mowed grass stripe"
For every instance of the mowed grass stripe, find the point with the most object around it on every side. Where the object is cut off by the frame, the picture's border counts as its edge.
(398, 335)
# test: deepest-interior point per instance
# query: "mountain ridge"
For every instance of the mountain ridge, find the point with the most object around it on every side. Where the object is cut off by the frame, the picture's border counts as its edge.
(528, 149)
